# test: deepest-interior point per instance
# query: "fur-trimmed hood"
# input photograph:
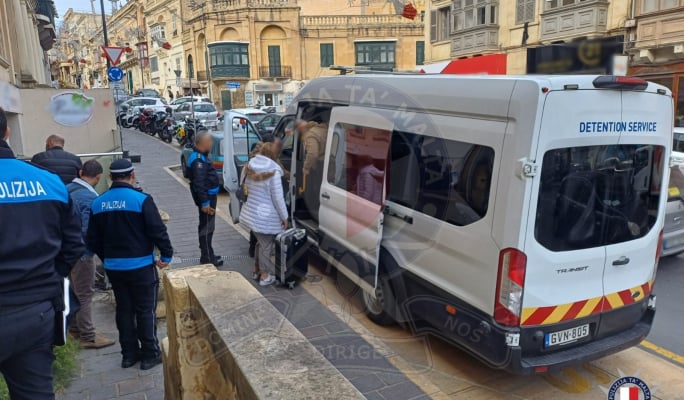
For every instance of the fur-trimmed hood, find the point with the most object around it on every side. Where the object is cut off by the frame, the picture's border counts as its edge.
(261, 168)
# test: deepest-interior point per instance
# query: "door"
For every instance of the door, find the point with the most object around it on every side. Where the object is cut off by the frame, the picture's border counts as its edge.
(268, 100)
(226, 100)
(352, 192)
(637, 197)
(274, 62)
(239, 137)
(564, 243)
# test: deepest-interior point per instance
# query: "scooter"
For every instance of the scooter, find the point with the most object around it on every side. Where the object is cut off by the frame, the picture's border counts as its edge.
(192, 127)
(166, 130)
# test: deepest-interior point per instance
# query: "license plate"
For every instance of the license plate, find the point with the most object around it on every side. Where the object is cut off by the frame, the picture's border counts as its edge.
(566, 336)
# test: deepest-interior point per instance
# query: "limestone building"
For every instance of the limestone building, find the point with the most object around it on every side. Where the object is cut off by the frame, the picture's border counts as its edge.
(27, 32)
(270, 48)
(525, 36)
(656, 46)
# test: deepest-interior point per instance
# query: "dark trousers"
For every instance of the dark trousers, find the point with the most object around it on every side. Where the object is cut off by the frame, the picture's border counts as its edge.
(26, 356)
(135, 292)
(205, 231)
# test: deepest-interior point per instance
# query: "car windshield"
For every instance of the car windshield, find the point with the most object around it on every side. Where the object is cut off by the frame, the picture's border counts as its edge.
(598, 195)
(204, 108)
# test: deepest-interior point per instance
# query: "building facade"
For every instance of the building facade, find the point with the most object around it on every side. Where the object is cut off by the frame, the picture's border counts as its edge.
(656, 46)
(265, 50)
(76, 60)
(164, 34)
(27, 32)
(525, 36)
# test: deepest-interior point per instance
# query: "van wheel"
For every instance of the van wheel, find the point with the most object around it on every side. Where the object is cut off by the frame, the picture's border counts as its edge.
(376, 308)
(184, 168)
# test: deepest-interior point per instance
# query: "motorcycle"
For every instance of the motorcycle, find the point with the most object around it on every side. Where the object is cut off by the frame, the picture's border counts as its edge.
(145, 123)
(190, 127)
(166, 130)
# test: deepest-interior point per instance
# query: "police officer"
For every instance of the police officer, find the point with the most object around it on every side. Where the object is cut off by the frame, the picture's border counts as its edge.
(35, 213)
(125, 226)
(204, 186)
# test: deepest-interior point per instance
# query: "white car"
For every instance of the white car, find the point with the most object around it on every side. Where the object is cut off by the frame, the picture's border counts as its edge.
(205, 112)
(673, 230)
(187, 99)
(129, 108)
(253, 114)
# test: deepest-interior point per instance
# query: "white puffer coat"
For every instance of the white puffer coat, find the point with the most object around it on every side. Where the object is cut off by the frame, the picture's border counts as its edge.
(265, 208)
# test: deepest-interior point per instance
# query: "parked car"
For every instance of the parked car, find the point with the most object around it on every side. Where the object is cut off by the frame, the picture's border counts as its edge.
(268, 124)
(673, 230)
(242, 143)
(129, 108)
(147, 93)
(205, 112)
(187, 99)
(253, 114)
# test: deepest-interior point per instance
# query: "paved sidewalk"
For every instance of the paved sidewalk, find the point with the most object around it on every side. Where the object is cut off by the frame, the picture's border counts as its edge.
(102, 378)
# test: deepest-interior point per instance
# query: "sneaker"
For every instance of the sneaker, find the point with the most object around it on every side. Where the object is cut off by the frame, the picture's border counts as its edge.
(97, 343)
(129, 362)
(150, 363)
(268, 281)
(256, 276)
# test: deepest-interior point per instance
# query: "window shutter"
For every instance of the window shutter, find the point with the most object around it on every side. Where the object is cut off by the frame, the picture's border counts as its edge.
(433, 25)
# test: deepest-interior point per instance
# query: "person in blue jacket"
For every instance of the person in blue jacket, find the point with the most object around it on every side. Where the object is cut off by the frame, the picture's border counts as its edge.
(41, 241)
(204, 187)
(124, 228)
(82, 191)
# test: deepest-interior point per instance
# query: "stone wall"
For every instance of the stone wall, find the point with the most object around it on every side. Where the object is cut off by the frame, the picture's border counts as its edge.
(226, 341)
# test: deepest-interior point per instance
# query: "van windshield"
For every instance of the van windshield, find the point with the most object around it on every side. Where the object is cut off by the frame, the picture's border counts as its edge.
(598, 195)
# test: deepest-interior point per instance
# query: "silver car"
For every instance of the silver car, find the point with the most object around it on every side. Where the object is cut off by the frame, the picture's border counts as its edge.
(205, 112)
(673, 231)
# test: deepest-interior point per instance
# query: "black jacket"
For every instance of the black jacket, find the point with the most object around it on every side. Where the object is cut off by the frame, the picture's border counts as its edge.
(61, 162)
(124, 228)
(204, 181)
(40, 234)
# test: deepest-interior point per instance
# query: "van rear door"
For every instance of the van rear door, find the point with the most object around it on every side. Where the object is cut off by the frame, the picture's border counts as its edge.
(635, 203)
(565, 260)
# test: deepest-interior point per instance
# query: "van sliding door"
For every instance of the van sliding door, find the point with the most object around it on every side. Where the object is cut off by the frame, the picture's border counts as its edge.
(353, 191)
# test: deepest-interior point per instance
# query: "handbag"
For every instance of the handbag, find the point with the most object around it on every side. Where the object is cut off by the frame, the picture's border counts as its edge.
(242, 191)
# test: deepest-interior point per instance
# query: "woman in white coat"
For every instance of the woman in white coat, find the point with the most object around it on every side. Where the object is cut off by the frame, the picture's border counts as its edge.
(265, 212)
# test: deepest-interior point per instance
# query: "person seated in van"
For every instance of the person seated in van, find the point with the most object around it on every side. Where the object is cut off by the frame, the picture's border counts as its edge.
(265, 212)
(369, 180)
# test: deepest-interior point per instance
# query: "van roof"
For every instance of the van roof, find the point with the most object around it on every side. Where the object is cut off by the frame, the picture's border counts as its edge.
(488, 95)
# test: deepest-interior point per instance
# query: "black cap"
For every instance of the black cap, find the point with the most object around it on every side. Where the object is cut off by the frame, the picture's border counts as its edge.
(121, 167)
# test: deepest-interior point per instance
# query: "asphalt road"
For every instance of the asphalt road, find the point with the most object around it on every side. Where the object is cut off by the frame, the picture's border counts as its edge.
(669, 320)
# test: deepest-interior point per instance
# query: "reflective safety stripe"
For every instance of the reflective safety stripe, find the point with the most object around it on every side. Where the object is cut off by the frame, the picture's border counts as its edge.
(213, 191)
(127, 264)
(584, 308)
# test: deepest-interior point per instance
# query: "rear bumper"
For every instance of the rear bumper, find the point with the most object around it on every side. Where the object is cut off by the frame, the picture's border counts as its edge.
(611, 343)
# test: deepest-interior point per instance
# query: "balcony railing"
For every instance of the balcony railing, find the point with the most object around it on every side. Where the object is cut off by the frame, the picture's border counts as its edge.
(226, 5)
(275, 71)
(336, 21)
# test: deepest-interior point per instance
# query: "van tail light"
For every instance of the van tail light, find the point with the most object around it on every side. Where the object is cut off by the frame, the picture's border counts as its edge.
(620, 83)
(509, 287)
(660, 247)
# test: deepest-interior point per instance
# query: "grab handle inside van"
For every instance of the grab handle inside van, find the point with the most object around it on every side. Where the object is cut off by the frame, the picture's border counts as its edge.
(302, 189)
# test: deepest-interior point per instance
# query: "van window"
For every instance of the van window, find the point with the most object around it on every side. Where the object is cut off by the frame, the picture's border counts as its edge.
(358, 160)
(597, 195)
(445, 179)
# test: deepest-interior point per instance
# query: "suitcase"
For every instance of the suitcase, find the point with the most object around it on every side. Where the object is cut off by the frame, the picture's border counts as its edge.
(291, 256)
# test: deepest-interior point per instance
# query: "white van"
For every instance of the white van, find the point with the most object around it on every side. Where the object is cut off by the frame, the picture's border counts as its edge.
(517, 217)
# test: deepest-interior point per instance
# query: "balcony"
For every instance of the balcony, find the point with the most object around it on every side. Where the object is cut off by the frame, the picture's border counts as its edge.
(664, 29)
(479, 39)
(361, 25)
(275, 72)
(232, 5)
(230, 71)
(581, 18)
(45, 15)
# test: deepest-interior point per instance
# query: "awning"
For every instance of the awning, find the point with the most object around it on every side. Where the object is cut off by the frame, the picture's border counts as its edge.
(491, 64)
(435, 68)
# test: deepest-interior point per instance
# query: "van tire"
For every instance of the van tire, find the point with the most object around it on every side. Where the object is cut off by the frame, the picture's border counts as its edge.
(376, 309)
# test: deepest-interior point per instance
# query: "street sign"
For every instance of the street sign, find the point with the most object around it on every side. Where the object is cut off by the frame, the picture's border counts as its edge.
(116, 85)
(113, 54)
(233, 85)
(115, 74)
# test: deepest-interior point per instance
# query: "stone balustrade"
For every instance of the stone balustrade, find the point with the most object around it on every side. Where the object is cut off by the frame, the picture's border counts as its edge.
(226, 341)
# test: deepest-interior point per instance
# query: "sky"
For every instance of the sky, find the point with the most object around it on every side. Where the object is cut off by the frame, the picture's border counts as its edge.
(80, 5)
